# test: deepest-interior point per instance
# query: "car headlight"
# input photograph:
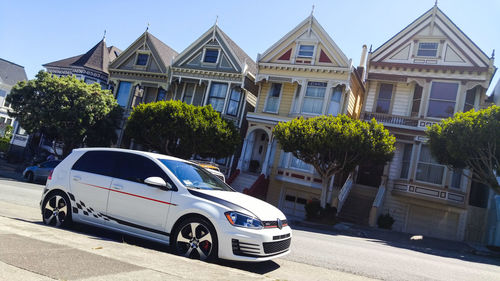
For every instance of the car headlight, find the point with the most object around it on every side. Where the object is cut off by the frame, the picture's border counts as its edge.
(239, 219)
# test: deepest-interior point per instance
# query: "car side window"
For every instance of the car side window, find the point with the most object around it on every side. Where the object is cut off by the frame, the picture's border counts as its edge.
(96, 162)
(137, 168)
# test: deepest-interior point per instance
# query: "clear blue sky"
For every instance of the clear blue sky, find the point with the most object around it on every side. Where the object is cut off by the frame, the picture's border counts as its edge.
(36, 32)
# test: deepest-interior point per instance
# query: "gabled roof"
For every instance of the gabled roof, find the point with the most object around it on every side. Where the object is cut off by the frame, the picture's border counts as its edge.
(161, 51)
(97, 58)
(11, 73)
(431, 15)
(234, 49)
(309, 21)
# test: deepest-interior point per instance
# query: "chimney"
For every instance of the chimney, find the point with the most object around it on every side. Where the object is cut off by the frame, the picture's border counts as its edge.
(362, 62)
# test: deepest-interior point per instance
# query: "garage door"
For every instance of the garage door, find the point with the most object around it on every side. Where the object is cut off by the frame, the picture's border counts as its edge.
(293, 204)
(432, 222)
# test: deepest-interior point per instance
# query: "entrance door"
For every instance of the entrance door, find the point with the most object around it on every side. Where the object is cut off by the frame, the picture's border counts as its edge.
(370, 175)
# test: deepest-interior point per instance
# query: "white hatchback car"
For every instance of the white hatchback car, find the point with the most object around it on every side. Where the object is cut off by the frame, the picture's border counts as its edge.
(165, 199)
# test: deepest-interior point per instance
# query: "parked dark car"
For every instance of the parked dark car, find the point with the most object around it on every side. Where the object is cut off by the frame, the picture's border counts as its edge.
(40, 172)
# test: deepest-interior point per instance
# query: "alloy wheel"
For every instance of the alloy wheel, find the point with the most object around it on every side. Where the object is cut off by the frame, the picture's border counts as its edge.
(55, 210)
(194, 240)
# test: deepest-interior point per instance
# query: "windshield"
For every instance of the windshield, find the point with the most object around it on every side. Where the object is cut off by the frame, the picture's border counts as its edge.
(193, 176)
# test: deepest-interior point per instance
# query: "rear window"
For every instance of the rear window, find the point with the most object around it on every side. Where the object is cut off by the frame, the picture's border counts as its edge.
(96, 162)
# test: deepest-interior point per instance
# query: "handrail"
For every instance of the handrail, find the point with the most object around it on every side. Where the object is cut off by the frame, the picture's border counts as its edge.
(258, 188)
(231, 179)
(379, 198)
(377, 203)
(344, 192)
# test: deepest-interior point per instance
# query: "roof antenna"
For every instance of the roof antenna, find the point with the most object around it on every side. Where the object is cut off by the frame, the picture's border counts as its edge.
(104, 36)
(436, 3)
(216, 19)
(312, 11)
(215, 25)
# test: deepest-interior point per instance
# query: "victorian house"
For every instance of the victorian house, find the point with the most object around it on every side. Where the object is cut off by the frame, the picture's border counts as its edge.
(140, 75)
(428, 71)
(215, 71)
(305, 74)
(91, 67)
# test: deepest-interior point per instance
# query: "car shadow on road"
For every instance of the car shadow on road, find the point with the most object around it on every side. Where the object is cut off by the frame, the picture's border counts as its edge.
(427, 245)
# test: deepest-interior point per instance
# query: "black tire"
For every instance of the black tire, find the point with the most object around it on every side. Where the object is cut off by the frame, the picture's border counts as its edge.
(56, 210)
(203, 246)
(30, 176)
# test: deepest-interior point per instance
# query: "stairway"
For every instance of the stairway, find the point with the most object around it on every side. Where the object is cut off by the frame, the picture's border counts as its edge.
(356, 208)
(244, 180)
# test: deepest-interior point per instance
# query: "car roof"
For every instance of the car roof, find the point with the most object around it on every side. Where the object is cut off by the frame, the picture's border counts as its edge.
(151, 154)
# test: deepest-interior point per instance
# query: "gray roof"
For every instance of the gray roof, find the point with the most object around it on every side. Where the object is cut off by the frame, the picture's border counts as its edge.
(242, 56)
(11, 73)
(164, 51)
(97, 58)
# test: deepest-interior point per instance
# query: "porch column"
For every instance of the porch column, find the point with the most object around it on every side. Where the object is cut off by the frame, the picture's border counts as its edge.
(266, 160)
(243, 152)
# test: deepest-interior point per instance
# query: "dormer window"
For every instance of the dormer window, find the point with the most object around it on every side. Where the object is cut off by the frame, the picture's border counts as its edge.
(427, 49)
(142, 59)
(306, 51)
(211, 55)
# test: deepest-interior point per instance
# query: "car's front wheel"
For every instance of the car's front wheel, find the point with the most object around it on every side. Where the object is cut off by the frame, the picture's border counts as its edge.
(195, 238)
(56, 210)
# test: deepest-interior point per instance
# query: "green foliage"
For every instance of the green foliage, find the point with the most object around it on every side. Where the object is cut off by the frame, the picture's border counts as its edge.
(4, 144)
(385, 221)
(470, 140)
(64, 108)
(335, 144)
(176, 128)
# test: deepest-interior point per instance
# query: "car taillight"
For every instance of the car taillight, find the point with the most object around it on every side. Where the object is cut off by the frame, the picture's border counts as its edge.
(50, 175)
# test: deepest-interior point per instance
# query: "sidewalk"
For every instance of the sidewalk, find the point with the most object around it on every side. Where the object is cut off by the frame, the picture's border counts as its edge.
(399, 239)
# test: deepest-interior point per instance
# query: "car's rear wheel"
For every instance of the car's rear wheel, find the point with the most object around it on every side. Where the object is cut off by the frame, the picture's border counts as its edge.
(30, 177)
(195, 238)
(56, 210)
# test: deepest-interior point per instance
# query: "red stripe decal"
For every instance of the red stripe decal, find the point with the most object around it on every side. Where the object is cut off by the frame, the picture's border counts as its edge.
(147, 198)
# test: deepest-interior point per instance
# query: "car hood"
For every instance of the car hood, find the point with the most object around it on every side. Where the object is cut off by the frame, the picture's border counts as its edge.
(237, 201)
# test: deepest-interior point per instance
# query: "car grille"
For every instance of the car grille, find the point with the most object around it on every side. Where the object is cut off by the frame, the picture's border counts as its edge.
(245, 249)
(279, 237)
(271, 224)
(276, 247)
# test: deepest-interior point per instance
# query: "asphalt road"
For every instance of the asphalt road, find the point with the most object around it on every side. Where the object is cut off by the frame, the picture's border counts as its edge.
(371, 258)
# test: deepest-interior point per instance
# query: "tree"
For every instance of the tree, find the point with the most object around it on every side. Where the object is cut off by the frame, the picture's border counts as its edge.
(470, 140)
(182, 130)
(64, 109)
(334, 145)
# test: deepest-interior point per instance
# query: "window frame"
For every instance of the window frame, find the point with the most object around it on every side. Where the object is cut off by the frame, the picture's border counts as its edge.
(408, 161)
(472, 105)
(413, 112)
(305, 97)
(128, 95)
(230, 100)
(430, 99)
(444, 173)
(205, 56)
(427, 49)
(391, 101)
(334, 90)
(216, 97)
(137, 59)
(306, 56)
(269, 96)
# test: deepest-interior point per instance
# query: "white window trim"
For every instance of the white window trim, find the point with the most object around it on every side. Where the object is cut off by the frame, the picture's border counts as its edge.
(203, 62)
(142, 52)
(325, 98)
(229, 100)
(428, 97)
(411, 162)
(315, 46)
(269, 95)
(417, 161)
(438, 49)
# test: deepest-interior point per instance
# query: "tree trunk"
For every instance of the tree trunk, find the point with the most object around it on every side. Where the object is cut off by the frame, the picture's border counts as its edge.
(324, 191)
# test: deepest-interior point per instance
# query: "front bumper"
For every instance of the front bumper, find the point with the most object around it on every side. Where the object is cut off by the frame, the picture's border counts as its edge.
(243, 244)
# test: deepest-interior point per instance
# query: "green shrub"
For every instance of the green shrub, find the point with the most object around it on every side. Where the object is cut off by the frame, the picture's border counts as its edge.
(4, 144)
(313, 209)
(385, 221)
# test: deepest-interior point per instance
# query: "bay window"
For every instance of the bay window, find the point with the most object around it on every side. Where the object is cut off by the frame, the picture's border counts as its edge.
(470, 99)
(123, 93)
(217, 96)
(428, 169)
(442, 99)
(273, 98)
(188, 93)
(417, 98)
(406, 160)
(314, 98)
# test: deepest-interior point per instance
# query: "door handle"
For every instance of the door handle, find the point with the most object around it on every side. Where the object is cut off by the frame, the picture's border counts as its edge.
(77, 178)
(117, 186)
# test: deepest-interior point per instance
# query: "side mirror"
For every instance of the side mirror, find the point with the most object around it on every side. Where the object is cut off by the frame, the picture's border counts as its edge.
(157, 182)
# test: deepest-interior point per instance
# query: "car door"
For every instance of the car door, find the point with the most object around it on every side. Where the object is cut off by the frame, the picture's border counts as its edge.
(133, 205)
(90, 181)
